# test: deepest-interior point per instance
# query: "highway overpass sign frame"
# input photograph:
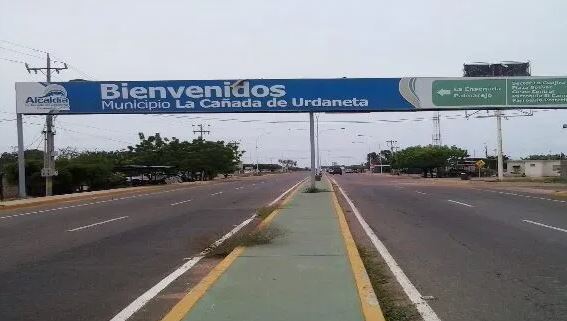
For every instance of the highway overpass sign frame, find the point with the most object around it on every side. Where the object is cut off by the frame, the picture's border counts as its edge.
(281, 96)
(290, 95)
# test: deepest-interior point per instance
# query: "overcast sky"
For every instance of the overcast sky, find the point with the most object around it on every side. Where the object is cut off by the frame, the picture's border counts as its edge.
(222, 39)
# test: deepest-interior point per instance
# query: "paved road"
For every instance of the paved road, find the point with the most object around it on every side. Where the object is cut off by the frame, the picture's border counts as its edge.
(88, 260)
(483, 254)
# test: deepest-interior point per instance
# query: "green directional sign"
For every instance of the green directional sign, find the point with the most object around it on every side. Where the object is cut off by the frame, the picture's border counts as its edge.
(537, 91)
(500, 92)
(478, 92)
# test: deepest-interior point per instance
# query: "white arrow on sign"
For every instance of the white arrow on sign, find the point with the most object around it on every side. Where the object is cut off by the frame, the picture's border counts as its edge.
(443, 92)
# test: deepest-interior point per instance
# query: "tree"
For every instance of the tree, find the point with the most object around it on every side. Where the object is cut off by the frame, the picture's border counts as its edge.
(206, 158)
(384, 157)
(101, 169)
(372, 158)
(428, 158)
(546, 157)
(287, 163)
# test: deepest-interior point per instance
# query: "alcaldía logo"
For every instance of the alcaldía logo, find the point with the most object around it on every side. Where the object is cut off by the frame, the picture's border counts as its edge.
(54, 97)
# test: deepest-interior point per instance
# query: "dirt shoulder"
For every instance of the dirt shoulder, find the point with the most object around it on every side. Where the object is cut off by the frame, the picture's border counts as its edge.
(550, 187)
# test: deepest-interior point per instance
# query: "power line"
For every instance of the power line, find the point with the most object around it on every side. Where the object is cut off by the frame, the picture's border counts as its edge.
(21, 52)
(35, 140)
(91, 135)
(80, 71)
(22, 46)
(13, 60)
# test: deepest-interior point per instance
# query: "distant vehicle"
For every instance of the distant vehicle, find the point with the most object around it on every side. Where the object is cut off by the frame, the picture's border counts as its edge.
(349, 170)
(335, 170)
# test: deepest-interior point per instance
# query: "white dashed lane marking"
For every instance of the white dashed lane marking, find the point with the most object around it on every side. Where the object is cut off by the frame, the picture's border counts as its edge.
(97, 223)
(460, 203)
(522, 195)
(179, 203)
(545, 225)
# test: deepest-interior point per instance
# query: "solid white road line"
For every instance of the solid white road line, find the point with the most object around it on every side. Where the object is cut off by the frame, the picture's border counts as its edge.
(460, 203)
(545, 225)
(137, 304)
(411, 291)
(97, 223)
(422, 193)
(178, 203)
(217, 193)
(287, 191)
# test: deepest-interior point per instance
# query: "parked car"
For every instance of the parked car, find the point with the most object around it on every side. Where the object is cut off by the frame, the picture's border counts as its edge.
(349, 170)
(335, 170)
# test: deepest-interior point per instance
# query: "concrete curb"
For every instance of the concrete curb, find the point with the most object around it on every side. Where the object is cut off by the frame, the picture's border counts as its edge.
(65, 198)
(369, 303)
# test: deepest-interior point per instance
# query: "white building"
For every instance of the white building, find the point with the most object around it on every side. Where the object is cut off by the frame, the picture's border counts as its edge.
(536, 168)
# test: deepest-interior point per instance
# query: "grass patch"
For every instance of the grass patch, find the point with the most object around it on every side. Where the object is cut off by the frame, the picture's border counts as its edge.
(254, 238)
(555, 180)
(265, 211)
(314, 190)
(393, 307)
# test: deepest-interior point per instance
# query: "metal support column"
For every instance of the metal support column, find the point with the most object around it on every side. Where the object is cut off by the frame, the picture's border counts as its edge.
(318, 150)
(312, 143)
(21, 157)
(499, 141)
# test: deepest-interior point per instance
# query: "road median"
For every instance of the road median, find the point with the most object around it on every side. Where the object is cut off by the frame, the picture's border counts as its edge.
(309, 271)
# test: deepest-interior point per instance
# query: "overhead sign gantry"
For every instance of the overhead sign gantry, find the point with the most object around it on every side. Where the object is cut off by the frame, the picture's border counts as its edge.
(290, 95)
(284, 95)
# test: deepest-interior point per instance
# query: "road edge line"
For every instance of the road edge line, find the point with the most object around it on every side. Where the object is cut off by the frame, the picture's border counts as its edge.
(184, 306)
(411, 291)
(369, 302)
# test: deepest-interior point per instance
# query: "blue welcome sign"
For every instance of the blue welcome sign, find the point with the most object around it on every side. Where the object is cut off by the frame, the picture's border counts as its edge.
(211, 96)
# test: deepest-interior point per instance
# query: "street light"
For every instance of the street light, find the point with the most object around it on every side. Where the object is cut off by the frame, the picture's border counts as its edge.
(257, 138)
(317, 137)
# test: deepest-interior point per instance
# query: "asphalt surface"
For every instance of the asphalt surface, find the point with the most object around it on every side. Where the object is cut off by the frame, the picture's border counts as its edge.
(88, 260)
(482, 254)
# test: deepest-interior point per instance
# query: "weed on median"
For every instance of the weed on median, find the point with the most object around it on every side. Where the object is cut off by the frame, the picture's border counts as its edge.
(254, 238)
(315, 190)
(394, 308)
(265, 211)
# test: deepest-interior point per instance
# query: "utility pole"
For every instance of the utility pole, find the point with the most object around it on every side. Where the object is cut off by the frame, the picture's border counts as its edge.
(201, 131)
(503, 69)
(48, 170)
(380, 158)
(392, 144)
(499, 141)
(437, 129)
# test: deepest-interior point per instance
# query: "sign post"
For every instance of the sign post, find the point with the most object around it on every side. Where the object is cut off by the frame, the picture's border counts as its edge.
(312, 144)
(21, 160)
(479, 164)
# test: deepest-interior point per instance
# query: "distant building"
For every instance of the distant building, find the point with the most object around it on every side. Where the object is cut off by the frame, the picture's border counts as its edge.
(537, 168)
